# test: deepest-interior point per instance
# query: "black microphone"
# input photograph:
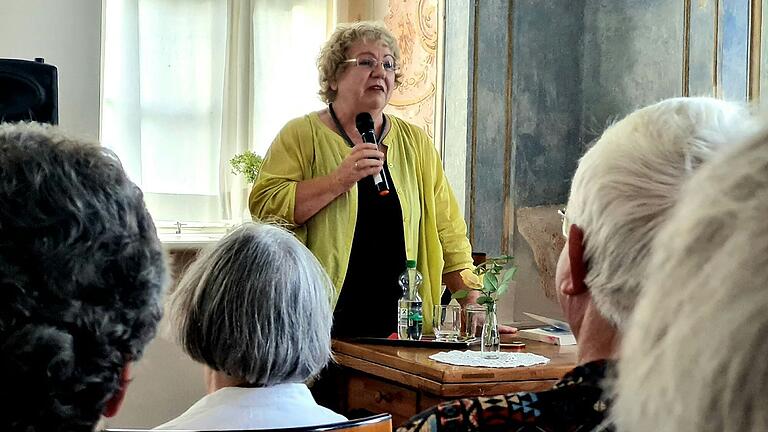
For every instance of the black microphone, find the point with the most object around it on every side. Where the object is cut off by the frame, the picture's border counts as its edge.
(364, 125)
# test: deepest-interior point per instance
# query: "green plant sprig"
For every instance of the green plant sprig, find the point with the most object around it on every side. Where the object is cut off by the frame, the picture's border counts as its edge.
(248, 164)
(495, 279)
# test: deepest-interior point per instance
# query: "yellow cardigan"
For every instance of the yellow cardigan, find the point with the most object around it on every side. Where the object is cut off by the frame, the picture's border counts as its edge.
(435, 231)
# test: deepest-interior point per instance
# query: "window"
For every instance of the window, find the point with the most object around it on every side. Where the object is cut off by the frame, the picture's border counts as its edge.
(168, 68)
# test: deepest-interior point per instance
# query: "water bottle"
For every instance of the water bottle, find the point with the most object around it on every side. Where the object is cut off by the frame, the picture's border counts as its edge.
(403, 307)
(410, 317)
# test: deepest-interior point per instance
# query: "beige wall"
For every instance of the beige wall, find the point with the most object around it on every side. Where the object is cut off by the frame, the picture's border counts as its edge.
(68, 35)
(165, 383)
(356, 10)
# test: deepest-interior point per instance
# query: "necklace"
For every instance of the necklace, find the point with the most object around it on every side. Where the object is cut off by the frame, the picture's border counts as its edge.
(344, 133)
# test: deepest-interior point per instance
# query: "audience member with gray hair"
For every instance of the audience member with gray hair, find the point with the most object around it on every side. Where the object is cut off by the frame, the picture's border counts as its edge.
(622, 192)
(81, 279)
(694, 357)
(256, 311)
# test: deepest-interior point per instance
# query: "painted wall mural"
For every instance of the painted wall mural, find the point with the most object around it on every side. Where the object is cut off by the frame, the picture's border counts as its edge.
(414, 24)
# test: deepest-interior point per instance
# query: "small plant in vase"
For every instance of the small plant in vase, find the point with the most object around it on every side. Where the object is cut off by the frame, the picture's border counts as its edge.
(248, 164)
(491, 278)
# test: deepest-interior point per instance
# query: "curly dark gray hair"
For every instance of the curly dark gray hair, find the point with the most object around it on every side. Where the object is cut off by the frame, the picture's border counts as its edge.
(81, 278)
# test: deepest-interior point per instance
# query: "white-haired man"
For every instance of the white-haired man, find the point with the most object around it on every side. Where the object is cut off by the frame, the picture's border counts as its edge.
(621, 193)
(693, 358)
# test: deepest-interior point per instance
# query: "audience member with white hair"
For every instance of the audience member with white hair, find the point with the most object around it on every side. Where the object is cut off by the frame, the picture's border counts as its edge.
(256, 311)
(621, 194)
(694, 357)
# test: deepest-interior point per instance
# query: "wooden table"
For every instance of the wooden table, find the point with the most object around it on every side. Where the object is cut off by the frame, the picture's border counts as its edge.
(403, 381)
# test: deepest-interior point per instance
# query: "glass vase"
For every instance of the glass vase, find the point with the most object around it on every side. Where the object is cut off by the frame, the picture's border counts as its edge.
(490, 344)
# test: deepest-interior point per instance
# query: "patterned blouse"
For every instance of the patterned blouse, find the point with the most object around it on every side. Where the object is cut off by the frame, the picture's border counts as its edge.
(575, 403)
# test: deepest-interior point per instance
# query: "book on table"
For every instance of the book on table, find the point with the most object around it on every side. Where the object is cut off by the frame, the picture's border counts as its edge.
(549, 334)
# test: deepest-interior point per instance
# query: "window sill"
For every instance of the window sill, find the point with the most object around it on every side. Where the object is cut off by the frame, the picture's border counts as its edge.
(194, 235)
(187, 241)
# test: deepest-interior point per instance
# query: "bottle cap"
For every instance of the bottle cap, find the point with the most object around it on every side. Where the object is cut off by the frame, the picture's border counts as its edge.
(411, 264)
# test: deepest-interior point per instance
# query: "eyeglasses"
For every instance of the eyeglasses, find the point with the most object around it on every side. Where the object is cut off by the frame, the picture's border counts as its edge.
(566, 223)
(371, 63)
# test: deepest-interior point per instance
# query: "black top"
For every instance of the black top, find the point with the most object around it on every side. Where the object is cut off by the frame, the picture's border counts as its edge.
(367, 305)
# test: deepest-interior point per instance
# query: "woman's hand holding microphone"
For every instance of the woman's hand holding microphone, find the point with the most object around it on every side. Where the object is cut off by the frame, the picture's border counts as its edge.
(364, 160)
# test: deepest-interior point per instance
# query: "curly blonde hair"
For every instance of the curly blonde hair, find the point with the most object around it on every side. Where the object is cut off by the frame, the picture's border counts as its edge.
(330, 62)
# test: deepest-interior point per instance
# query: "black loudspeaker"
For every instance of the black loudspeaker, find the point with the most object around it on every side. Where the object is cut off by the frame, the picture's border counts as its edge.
(28, 91)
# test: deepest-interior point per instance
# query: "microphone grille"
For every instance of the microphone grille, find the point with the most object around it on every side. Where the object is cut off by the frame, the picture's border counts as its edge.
(364, 122)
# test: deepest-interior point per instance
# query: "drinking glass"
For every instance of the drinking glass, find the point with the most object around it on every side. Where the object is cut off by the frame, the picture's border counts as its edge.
(446, 320)
(473, 320)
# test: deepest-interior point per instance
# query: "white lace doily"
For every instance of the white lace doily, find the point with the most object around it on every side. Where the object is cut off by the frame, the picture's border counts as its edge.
(476, 358)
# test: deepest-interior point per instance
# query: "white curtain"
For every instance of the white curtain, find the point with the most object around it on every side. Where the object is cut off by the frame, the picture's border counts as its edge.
(237, 125)
(187, 84)
(162, 91)
(270, 78)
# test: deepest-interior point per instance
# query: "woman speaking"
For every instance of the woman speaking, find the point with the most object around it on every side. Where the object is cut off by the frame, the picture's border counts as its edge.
(363, 208)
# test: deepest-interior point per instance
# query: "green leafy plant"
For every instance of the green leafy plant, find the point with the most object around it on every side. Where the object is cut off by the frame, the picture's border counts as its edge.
(248, 164)
(491, 278)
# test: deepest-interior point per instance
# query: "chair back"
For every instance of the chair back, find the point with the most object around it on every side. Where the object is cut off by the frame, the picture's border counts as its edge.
(376, 423)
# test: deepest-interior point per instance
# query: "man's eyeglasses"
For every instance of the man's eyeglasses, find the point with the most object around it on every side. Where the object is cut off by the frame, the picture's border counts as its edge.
(371, 63)
(566, 224)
